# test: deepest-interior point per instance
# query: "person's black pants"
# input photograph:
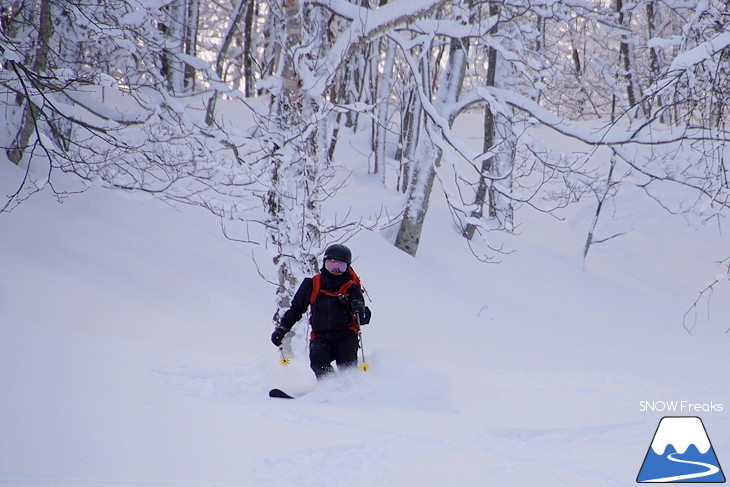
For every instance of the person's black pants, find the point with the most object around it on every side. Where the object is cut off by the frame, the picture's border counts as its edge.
(340, 346)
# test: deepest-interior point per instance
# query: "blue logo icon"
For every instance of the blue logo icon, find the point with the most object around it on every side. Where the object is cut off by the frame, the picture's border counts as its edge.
(680, 452)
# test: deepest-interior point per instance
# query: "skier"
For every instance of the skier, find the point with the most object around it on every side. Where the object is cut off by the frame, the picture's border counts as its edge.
(337, 310)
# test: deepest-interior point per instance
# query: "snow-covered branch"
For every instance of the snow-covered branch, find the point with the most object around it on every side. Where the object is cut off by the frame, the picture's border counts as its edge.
(365, 25)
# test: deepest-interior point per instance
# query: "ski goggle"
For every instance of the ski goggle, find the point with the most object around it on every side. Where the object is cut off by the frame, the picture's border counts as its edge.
(335, 265)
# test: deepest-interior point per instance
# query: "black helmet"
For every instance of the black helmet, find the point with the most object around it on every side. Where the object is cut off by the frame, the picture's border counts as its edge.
(338, 252)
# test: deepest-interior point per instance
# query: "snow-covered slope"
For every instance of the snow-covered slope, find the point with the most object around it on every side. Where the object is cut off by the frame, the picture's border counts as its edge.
(134, 350)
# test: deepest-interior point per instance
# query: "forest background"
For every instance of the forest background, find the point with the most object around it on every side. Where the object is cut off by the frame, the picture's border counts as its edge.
(135, 95)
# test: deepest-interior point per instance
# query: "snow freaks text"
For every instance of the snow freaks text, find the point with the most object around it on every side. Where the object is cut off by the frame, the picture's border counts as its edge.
(682, 407)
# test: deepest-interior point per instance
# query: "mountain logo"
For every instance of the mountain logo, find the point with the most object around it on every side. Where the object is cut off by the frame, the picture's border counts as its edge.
(680, 452)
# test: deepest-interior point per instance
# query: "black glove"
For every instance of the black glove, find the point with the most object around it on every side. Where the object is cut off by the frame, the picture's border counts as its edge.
(358, 309)
(278, 335)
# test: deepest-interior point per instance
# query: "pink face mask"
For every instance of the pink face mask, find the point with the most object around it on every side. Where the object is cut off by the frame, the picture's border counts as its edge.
(335, 265)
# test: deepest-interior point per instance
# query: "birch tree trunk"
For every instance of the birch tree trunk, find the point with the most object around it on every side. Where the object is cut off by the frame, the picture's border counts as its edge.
(411, 119)
(428, 155)
(296, 171)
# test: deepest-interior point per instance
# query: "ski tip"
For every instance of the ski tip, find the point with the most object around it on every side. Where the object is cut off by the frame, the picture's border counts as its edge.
(278, 393)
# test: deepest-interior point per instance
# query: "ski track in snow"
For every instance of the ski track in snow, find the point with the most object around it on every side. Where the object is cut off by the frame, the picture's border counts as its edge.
(383, 431)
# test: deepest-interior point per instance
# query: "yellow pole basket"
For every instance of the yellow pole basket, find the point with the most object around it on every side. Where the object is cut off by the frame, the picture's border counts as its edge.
(283, 360)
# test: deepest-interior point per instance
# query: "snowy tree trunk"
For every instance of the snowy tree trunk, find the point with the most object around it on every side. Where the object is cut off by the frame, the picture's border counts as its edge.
(590, 239)
(633, 91)
(419, 193)
(540, 50)
(249, 79)
(494, 184)
(483, 191)
(29, 120)
(174, 30)
(720, 92)
(500, 171)
(654, 54)
(221, 57)
(583, 98)
(192, 20)
(296, 171)
(270, 42)
(411, 115)
(428, 155)
(385, 85)
(69, 52)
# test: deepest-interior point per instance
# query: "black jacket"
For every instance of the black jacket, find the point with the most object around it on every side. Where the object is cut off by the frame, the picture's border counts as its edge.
(328, 312)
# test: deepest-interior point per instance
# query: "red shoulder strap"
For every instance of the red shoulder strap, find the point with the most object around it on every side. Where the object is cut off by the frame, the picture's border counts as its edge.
(316, 286)
(353, 276)
(356, 280)
(343, 289)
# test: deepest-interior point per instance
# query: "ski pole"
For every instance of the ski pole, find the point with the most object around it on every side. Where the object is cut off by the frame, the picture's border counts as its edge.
(364, 366)
(284, 360)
